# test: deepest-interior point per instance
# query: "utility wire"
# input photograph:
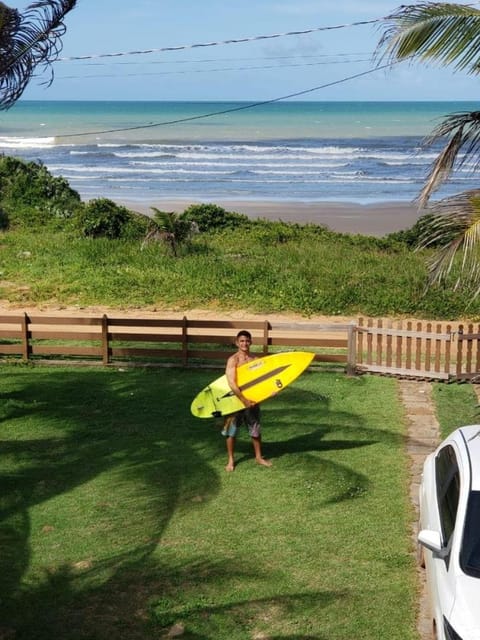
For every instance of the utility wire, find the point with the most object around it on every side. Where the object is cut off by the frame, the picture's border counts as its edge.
(232, 109)
(208, 60)
(219, 42)
(186, 71)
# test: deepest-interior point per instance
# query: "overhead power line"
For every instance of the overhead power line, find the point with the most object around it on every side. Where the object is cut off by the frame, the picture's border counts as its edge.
(242, 59)
(222, 69)
(219, 42)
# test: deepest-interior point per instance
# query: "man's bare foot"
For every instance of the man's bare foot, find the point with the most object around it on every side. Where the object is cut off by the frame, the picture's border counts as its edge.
(263, 462)
(230, 466)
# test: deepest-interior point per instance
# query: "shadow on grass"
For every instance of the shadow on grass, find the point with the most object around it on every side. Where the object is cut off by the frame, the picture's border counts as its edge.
(71, 427)
(90, 423)
(141, 600)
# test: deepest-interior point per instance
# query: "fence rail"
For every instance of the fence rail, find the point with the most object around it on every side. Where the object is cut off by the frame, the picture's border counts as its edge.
(420, 351)
(441, 351)
(108, 340)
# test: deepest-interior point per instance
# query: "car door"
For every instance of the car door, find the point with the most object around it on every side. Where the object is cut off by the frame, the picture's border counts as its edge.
(439, 566)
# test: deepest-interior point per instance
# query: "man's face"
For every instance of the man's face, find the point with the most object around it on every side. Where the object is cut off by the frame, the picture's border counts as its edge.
(243, 343)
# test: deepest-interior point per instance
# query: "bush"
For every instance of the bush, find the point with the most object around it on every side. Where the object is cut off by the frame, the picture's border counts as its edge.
(211, 217)
(136, 227)
(411, 237)
(31, 196)
(103, 218)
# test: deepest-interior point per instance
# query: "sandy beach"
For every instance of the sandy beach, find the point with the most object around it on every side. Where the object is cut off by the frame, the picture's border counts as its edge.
(346, 217)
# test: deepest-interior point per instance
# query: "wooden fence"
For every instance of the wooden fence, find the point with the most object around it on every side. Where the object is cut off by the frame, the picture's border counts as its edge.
(443, 351)
(154, 341)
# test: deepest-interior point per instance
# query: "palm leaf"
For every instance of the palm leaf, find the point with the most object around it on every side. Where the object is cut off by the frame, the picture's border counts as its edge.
(455, 226)
(462, 131)
(27, 41)
(445, 32)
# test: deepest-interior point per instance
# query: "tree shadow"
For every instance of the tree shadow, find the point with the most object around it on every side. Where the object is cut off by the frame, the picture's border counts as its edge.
(97, 422)
(100, 421)
(142, 599)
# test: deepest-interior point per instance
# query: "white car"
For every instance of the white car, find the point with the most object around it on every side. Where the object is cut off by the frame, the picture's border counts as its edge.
(449, 534)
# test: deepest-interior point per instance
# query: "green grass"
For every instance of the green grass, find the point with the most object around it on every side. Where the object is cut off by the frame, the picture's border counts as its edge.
(307, 270)
(119, 521)
(456, 405)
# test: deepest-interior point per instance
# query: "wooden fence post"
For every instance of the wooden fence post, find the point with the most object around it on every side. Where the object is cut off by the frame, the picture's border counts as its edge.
(266, 329)
(185, 341)
(25, 341)
(459, 351)
(359, 341)
(105, 345)
(399, 347)
(448, 350)
(352, 349)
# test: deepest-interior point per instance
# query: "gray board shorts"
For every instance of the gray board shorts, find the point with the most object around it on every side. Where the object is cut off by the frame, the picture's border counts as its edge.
(249, 417)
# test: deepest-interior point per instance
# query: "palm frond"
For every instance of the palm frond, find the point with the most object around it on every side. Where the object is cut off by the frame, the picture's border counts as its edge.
(462, 131)
(32, 39)
(437, 31)
(455, 227)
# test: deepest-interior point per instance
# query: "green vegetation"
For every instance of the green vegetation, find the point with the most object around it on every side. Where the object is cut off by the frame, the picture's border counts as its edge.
(436, 33)
(457, 405)
(119, 521)
(265, 267)
(60, 250)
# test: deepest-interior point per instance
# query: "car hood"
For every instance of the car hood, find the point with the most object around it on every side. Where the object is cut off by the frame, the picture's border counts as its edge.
(465, 614)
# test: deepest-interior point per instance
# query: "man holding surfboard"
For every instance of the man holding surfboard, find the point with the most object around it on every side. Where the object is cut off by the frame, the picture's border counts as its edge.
(251, 414)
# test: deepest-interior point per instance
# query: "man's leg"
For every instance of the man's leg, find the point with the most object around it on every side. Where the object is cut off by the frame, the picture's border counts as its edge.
(257, 448)
(230, 432)
(252, 418)
(230, 466)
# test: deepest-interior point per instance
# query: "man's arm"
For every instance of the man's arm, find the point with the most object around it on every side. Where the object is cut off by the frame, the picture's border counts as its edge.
(231, 373)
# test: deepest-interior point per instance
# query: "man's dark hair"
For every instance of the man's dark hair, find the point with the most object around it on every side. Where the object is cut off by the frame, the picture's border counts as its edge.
(244, 333)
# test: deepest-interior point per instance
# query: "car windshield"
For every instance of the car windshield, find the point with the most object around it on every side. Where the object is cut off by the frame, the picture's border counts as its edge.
(470, 552)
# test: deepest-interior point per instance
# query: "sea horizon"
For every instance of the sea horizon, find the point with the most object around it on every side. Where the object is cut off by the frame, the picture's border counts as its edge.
(307, 151)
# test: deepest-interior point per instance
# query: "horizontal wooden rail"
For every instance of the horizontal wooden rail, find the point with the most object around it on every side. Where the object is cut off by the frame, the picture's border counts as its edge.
(431, 350)
(157, 341)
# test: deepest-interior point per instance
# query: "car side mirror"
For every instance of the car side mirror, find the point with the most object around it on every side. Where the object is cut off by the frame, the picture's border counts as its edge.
(432, 540)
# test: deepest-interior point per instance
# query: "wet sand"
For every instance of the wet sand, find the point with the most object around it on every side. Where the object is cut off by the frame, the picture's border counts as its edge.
(346, 217)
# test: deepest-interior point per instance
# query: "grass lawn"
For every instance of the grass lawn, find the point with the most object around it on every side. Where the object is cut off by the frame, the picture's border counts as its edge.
(119, 521)
(457, 405)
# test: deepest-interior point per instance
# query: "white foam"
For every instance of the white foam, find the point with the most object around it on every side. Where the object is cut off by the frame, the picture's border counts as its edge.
(26, 143)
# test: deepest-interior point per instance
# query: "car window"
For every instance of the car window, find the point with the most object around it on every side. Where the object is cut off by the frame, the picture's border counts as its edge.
(470, 551)
(448, 490)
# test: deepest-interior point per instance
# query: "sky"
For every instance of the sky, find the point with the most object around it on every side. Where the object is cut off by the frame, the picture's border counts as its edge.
(260, 69)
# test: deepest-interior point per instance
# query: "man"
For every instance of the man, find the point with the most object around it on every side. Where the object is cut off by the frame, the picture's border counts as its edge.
(251, 414)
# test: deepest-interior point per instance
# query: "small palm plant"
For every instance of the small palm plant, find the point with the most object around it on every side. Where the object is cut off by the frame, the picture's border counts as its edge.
(169, 227)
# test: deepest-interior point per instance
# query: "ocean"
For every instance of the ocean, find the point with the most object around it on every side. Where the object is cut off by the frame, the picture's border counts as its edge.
(146, 152)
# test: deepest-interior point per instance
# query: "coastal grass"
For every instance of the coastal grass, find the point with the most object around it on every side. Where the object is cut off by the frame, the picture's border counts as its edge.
(267, 267)
(118, 519)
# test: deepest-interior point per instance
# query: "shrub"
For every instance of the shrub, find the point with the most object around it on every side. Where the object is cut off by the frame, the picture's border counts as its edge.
(420, 229)
(102, 217)
(136, 227)
(211, 217)
(31, 196)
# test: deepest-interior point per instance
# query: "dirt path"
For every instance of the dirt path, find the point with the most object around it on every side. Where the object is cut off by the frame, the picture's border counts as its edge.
(423, 435)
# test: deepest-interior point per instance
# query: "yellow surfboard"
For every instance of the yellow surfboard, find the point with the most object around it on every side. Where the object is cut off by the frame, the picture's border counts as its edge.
(259, 379)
